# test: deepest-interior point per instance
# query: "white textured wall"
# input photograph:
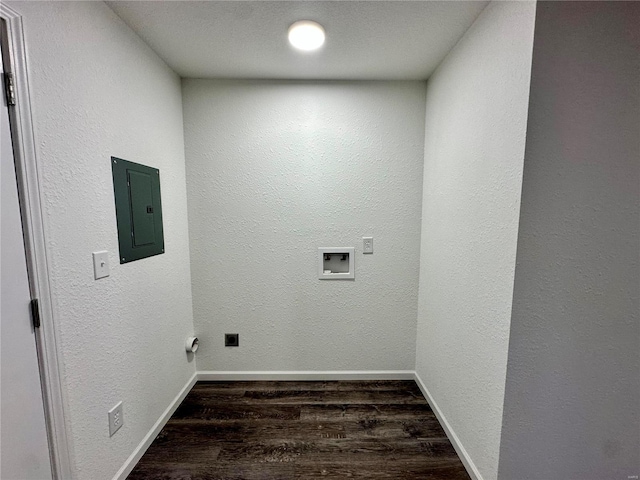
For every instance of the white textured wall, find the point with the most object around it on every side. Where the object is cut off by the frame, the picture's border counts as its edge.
(98, 90)
(474, 148)
(572, 402)
(276, 170)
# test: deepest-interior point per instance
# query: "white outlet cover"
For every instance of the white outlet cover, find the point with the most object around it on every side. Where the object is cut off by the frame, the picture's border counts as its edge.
(100, 264)
(116, 419)
(367, 244)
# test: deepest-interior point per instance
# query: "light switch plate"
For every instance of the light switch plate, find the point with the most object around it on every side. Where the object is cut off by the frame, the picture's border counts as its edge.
(367, 244)
(100, 264)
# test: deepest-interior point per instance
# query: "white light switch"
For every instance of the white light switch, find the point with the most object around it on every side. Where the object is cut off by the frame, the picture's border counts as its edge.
(100, 264)
(367, 244)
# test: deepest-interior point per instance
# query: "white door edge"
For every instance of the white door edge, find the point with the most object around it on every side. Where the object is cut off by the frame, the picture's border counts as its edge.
(25, 157)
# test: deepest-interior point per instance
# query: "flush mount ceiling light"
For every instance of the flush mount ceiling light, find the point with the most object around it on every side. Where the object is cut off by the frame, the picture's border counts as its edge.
(306, 35)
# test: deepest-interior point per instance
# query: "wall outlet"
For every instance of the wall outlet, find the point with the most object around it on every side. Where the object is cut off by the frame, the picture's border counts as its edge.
(367, 244)
(115, 419)
(231, 340)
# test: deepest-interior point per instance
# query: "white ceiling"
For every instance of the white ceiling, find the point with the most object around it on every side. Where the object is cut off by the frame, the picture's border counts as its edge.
(366, 40)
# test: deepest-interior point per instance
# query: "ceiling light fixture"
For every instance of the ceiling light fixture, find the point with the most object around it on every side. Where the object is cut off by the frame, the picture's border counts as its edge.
(306, 35)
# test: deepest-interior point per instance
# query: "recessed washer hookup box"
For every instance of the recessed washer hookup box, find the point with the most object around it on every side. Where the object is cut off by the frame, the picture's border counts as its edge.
(336, 263)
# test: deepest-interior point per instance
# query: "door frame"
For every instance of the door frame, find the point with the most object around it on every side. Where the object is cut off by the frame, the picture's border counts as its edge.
(34, 223)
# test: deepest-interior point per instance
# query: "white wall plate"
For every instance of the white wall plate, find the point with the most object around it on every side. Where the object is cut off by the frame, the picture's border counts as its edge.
(338, 271)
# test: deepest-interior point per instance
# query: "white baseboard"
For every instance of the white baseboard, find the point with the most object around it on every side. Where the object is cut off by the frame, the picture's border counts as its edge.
(472, 470)
(309, 375)
(146, 442)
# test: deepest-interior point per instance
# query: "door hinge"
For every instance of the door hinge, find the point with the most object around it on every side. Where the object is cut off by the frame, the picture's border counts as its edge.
(35, 313)
(9, 89)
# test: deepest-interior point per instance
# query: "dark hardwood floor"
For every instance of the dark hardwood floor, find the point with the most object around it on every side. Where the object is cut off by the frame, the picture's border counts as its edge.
(292, 430)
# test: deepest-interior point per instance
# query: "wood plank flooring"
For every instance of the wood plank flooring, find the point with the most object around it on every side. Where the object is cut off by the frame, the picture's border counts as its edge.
(298, 430)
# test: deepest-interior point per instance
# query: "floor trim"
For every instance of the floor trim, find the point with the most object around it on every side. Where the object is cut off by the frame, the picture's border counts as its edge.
(472, 470)
(308, 375)
(146, 442)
